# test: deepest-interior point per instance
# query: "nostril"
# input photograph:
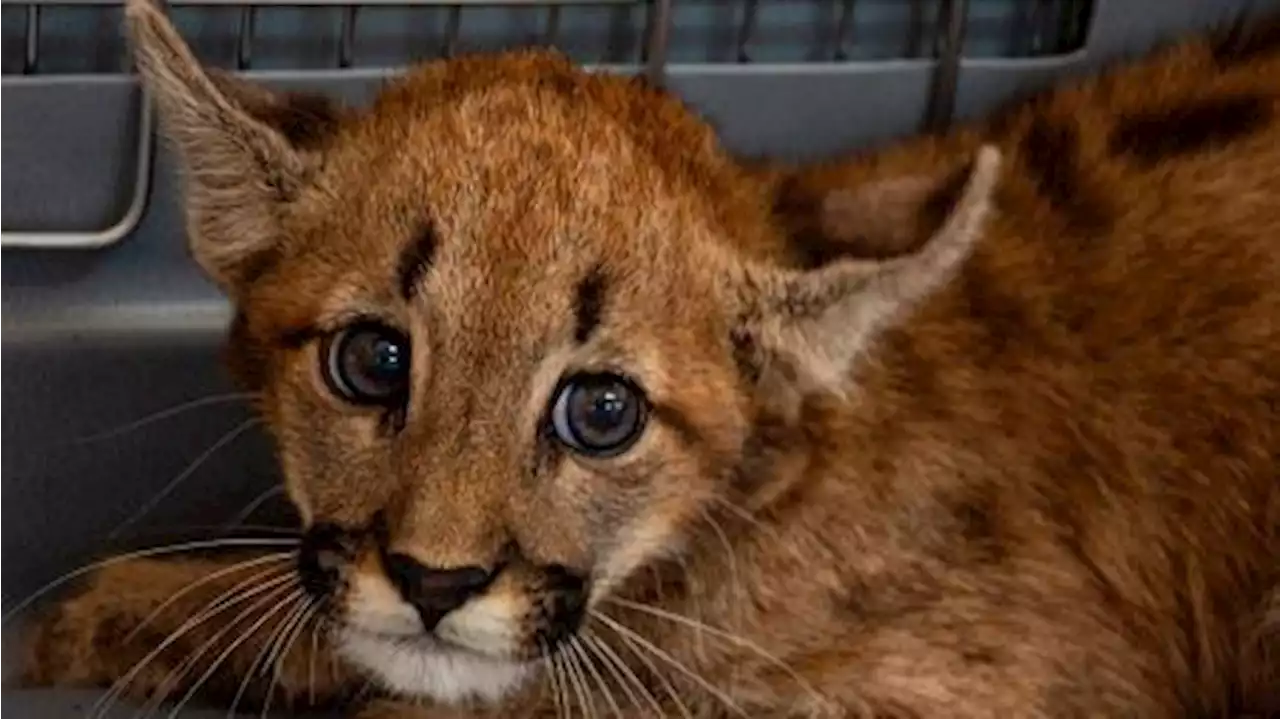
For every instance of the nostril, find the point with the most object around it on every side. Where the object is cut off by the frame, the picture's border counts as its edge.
(320, 558)
(435, 592)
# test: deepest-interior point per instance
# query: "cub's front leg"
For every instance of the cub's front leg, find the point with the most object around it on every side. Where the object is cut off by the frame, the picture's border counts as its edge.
(213, 631)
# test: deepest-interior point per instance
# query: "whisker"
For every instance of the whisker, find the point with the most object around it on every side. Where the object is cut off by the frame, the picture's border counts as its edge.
(312, 618)
(576, 644)
(579, 684)
(273, 557)
(673, 663)
(281, 587)
(253, 506)
(261, 662)
(150, 552)
(219, 604)
(648, 663)
(552, 679)
(282, 654)
(232, 647)
(735, 579)
(722, 634)
(161, 415)
(695, 594)
(594, 645)
(191, 469)
(311, 663)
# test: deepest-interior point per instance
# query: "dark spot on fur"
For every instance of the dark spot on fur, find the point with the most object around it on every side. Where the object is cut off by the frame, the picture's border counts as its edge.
(1050, 153)
(746, 354)
(391, 422)
(679, 423)
(1247, 40)
(562, 608)
(243, 356)
(415, 260)
(258, 264)
(1002, 317)
(978, 656)
(977, 516)
(589, 304)
(298, 337)
(1155, 135)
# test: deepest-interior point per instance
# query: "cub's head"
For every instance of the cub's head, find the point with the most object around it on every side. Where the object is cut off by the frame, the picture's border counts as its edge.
(505, 331)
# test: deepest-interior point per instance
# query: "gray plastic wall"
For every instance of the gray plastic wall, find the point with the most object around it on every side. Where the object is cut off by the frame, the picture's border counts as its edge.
(95, 338)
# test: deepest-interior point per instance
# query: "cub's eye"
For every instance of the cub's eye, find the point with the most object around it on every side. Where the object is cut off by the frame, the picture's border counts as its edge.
(598, 414)
(367, 364)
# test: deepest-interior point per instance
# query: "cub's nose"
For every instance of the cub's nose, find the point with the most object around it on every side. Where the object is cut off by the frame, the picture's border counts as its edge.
(434, 592)
(323, 550)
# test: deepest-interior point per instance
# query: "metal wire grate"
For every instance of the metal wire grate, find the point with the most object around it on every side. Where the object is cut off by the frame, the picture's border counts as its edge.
(44, 39)
(83, 36)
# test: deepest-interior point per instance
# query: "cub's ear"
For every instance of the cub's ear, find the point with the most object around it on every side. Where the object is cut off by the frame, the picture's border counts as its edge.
(877, 218)
(813, 324)
(244, 150)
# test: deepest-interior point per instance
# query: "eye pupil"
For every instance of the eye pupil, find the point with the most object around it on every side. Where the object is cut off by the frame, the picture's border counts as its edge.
(368, 364)
(598, 414)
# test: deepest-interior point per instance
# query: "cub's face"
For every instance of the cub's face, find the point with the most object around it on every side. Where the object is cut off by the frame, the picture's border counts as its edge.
(494, 371)
(483, 336)
(504, 330)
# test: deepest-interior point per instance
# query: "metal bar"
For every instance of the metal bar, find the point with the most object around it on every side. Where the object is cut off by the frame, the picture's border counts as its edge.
(452, 30)
(844, 23)
(347, 42)
(1041, 10)
(946, 75)
(552, 30)
(244, 39)
(747, 28)
(127, 223)
(31, 53)
(658, 41)
(915, 30)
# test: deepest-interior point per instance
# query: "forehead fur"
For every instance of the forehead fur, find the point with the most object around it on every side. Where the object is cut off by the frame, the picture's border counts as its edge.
(507, 162)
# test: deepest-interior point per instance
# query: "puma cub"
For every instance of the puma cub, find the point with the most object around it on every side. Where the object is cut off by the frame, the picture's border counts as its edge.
(579, 421)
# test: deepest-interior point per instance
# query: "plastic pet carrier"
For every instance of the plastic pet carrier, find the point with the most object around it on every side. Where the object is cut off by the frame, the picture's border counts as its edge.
(122, 427)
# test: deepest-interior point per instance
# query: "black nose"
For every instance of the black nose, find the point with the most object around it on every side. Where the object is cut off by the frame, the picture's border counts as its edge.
(434, 592)
(320, 557)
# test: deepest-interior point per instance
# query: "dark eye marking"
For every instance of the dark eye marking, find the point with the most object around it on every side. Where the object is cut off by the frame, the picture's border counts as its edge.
(589, 304)
(415, 260)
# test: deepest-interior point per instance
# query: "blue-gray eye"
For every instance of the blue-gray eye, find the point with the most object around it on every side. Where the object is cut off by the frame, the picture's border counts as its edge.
(368, 364)
(600, 415)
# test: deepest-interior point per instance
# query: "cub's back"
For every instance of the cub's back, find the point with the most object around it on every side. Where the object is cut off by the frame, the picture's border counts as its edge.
(1106, 371)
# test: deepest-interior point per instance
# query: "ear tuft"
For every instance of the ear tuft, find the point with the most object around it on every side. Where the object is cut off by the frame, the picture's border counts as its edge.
(816, 323)
(244, 151)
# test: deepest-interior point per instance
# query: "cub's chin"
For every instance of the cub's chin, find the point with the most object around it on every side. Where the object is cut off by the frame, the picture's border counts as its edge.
(423, 666)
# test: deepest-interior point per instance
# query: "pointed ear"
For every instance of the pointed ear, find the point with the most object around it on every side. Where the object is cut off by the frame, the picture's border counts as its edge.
(813, 324)
(244, 151)
(878, 218)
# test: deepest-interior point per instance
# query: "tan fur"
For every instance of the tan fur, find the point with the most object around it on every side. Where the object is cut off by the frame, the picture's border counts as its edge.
(961, 431)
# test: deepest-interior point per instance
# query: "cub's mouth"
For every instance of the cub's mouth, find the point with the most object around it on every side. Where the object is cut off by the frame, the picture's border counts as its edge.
(423, 665)
(452, 634)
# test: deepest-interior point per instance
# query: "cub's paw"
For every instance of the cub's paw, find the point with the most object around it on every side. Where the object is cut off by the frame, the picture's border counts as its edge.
(148, 628)
(77, 643)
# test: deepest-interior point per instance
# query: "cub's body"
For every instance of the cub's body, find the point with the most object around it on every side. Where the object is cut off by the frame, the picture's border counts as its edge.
(941, 431)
